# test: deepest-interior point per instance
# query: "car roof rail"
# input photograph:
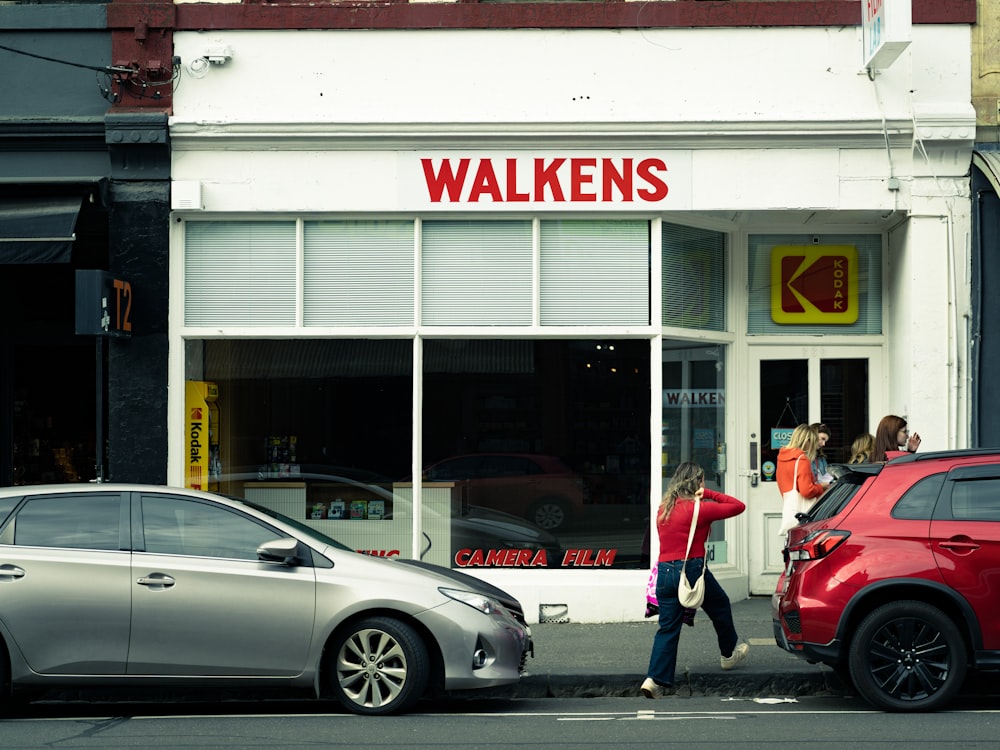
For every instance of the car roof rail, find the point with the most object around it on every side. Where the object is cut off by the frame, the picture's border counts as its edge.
(953, 453)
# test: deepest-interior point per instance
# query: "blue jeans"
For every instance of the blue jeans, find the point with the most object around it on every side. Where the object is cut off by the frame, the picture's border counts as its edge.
(663, 659)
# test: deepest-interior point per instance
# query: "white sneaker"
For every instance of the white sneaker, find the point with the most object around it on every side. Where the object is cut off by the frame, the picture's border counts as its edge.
(650, 689)
(739, 654)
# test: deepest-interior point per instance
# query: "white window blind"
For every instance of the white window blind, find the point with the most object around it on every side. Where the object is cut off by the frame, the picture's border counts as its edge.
(239, 273)
(476, 273)
(358, 273)
(595, 272)
(694, 277)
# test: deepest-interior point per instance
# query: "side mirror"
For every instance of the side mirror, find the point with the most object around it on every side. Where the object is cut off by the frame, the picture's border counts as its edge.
(285, 551)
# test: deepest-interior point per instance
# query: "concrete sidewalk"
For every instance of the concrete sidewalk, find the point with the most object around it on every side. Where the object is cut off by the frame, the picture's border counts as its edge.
(579, 660)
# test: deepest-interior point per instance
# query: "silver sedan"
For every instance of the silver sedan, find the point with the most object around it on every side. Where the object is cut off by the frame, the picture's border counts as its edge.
(109, 585)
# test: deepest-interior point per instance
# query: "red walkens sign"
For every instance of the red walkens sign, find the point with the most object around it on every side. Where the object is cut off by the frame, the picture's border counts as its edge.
(575, 180)
(814, 284)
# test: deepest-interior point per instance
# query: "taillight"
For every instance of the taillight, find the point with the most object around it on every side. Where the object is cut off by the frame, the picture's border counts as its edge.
(818, 544)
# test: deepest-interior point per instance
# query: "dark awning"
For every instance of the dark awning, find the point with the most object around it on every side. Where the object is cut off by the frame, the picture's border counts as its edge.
(37, 230)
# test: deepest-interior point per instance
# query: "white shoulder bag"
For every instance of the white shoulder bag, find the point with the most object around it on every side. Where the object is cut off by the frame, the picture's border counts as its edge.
(792, 502)
(692, 595)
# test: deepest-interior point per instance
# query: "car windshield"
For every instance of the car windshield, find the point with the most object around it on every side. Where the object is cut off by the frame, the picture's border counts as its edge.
(297, 525)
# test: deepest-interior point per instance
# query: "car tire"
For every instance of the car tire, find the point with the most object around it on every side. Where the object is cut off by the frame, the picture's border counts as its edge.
(908, 656)
(5, 692)
(550, 513)
(379, 666)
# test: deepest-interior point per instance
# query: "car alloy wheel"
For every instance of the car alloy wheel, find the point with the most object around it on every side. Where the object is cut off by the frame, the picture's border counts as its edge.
(380, 666)
(549, 514)
(908, 656)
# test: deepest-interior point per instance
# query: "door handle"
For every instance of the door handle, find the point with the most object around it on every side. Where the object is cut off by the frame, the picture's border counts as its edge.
(11, 572)
(156, 581)
(959, 547)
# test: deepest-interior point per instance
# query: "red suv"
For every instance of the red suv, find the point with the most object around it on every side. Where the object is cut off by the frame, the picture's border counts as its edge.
(893, 578)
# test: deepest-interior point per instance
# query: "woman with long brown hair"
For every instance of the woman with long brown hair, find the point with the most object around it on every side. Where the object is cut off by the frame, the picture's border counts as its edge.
(820, 463)
(892, 435)
(673, 524)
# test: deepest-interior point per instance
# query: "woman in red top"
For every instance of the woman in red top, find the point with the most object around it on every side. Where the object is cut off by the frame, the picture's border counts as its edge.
(795, 470)
(673, 524)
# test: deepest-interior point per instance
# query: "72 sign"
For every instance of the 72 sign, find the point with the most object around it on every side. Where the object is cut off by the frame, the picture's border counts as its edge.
(103, 304)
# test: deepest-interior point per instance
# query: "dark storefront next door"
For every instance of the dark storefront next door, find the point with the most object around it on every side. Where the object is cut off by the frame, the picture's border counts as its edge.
(47, 382)
(53, 413)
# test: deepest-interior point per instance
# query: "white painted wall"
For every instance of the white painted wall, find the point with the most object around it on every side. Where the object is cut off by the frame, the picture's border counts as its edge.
(564, 76)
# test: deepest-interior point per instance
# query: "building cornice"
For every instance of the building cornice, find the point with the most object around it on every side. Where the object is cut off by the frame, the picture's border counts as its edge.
(192, 136)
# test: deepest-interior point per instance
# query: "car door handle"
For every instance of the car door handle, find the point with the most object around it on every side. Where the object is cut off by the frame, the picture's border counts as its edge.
(959, 546)
(156, 580)
(11, 572)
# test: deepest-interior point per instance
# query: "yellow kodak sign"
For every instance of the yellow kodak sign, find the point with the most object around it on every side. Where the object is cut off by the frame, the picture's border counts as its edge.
(814, 284)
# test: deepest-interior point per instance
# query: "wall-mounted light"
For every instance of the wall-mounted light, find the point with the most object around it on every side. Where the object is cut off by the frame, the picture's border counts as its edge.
(218, 54)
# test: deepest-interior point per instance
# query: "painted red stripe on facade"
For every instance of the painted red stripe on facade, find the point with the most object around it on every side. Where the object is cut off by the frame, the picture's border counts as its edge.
(596, 15)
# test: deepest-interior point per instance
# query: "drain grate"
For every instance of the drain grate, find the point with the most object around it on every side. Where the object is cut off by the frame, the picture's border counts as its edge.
(548, 613)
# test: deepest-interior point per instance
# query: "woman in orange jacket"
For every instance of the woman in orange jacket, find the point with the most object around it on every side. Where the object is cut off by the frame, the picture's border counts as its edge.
(795, 472)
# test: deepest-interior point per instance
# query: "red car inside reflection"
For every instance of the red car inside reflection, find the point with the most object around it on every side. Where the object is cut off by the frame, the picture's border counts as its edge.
(540, 488)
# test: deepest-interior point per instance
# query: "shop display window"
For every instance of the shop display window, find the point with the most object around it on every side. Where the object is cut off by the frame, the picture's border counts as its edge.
(536, 453)
(319, 430)
(694, 420)
(551, 433)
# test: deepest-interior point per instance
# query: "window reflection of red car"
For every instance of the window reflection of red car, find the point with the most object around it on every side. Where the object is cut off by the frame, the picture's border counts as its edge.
(540, 488)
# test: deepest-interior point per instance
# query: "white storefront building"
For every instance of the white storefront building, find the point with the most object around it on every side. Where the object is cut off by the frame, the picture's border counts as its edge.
(390, 248)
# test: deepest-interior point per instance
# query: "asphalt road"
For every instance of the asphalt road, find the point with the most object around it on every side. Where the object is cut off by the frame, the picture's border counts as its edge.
(552, 724)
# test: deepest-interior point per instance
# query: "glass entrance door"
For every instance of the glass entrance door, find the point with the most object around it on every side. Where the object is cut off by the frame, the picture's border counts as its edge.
(791, 386)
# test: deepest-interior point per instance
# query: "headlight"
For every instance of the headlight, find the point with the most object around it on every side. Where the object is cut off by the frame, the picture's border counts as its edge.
(485, 604)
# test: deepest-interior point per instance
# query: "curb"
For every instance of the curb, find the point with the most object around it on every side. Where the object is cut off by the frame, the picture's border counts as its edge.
(688, 685)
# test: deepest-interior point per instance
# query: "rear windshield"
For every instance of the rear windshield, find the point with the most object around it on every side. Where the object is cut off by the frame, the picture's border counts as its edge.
(839, 495)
